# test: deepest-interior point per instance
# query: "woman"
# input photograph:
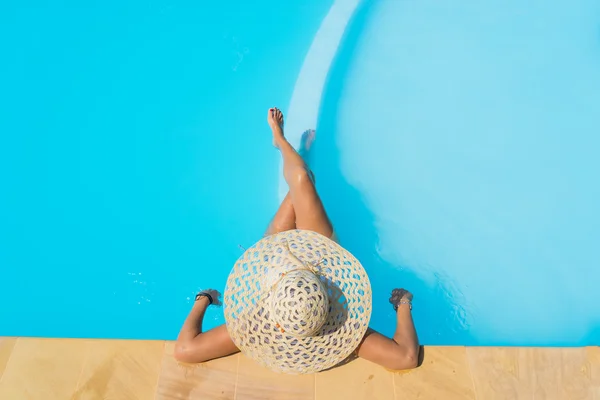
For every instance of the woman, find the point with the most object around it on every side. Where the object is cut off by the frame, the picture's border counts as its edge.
(301, 209)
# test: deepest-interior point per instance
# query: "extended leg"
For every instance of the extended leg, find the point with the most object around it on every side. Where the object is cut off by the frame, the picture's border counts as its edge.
(401, 352)
(309, 210)
(284, 219)
(193, 345)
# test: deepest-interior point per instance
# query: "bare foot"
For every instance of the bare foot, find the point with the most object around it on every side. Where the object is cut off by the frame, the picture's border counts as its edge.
(275, 120)
(308, 137)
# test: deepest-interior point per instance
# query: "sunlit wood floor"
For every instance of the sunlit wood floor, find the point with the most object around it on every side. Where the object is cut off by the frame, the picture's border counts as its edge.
(47, 369)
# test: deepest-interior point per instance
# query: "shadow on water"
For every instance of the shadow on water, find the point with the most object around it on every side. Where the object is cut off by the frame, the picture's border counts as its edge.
(437, 317)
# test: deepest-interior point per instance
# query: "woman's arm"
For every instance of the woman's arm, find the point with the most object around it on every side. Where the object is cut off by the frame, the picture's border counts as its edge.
(193, 345)
(401, 352)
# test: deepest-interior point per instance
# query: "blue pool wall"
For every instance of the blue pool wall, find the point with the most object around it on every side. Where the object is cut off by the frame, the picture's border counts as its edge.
(456, 155)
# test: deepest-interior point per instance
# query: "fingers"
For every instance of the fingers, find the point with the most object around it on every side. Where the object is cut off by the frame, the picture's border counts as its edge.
(398, 294)
(216, 296)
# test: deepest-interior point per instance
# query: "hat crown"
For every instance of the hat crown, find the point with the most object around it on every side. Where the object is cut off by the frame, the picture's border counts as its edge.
(299, 303)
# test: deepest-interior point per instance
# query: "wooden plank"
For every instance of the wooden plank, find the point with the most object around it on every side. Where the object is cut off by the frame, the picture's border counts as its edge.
(43, 369)
(357, 380)
(207, 381)
(258, 383)
(499, 373)
(559, 373)
(593, 356)
(6, 347)
(443, 374)
(535, 373)
(120, 369)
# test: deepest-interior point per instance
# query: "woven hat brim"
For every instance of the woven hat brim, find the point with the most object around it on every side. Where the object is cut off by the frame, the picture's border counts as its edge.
(247, 313)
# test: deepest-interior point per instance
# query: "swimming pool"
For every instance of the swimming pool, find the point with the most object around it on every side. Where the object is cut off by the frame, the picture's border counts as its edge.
(455, 154)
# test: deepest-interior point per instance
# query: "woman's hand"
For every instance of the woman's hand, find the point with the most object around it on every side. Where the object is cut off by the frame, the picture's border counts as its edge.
(214, 294)
(398, 295)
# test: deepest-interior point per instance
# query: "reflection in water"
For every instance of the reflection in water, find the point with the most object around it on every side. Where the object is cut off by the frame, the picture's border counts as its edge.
(304, 105)
(439, 315)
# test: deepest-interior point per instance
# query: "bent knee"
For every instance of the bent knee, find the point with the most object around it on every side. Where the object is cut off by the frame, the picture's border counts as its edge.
(278, 227)
(300, 175)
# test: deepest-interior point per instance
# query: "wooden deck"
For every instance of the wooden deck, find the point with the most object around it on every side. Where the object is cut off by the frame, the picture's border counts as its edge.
(32, 368)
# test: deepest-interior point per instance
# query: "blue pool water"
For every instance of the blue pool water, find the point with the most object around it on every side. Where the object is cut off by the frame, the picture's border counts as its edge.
(456, 155)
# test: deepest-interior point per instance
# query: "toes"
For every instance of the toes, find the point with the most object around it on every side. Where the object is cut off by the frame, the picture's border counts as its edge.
(277, 114)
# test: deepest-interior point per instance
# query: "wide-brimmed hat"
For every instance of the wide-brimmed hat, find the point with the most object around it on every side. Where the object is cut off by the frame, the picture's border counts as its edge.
(297, 302)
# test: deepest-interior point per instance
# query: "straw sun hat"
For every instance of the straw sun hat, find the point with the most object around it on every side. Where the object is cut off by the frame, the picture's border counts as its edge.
(297, 302)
